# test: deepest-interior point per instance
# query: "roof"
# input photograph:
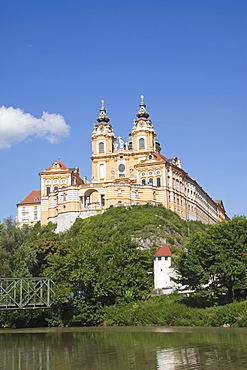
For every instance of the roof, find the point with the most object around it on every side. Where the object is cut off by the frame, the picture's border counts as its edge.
(163, 251)
(33, 197)
(61, 166)
(157, 157)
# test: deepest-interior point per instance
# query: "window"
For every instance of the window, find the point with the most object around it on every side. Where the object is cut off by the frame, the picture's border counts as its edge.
(64, 197)
(143, 173)
(102, 171)
(48, 182)
(63, 181)
(121, 168)
(158, 181)
(150, 181)
(159, 258)
(137, 194)
(48, 190)
(35, 208)
(55, 188)
(101, 148)
(119, 194)
(143, 182)
(150, 173)
(56, 181)
(141, 144)
(35, 216)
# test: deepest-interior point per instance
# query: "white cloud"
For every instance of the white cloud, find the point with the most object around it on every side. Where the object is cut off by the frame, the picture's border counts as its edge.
(16, 126)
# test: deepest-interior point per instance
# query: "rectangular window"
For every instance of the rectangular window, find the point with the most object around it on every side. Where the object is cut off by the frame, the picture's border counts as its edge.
(141, 144)
(101, 171)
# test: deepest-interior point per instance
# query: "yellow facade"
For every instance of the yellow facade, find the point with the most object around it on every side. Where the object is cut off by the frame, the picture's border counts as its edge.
(124, 173)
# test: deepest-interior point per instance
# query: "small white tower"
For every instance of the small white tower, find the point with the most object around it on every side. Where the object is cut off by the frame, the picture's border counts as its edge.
(163, 270)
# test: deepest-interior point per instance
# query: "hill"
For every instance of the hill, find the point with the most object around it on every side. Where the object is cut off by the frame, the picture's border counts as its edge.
(149, 226)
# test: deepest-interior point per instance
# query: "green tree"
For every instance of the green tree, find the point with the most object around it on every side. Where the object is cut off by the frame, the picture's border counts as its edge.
(11, 238)
(216, 260)
(117, 271)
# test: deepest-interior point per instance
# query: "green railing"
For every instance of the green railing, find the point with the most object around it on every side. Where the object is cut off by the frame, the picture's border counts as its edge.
(23, 293)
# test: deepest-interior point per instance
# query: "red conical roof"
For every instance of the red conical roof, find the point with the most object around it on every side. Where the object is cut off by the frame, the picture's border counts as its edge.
(163, 251)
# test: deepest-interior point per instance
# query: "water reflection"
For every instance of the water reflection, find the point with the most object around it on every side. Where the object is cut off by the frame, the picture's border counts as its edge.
(123, 348)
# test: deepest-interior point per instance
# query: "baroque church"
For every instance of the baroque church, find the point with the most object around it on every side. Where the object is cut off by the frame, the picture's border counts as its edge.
(124, 173)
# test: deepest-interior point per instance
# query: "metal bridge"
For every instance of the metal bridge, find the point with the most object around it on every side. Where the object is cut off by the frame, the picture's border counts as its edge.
(26, 293)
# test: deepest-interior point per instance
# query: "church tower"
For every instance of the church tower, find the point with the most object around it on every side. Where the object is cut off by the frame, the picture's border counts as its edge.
(103, 145)
(143, 135)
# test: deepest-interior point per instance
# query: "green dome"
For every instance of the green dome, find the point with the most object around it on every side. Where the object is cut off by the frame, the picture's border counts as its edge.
(129, 141)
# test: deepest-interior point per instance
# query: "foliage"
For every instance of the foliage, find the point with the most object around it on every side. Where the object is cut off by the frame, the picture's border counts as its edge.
(116, 271)
(100, 262)
(171, 311)
(216, 259)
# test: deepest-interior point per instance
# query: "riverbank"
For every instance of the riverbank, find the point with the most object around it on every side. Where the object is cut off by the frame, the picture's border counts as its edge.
(173, 312)
(156, 311)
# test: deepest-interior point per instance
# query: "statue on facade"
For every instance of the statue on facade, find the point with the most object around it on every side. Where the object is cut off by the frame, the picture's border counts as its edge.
(121, 142)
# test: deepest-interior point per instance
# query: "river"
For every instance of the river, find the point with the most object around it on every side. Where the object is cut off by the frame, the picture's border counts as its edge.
(123, 348)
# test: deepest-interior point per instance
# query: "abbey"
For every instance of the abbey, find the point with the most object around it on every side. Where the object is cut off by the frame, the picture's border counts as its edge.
(123, 173)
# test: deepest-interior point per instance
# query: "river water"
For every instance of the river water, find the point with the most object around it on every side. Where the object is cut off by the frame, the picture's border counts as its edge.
(123, 348)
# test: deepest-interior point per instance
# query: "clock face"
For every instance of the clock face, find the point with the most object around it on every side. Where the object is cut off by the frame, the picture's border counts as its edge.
(141, 124)
(101, 128)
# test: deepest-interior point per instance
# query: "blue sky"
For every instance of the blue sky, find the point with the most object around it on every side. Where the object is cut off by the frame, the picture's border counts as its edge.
(189, 59)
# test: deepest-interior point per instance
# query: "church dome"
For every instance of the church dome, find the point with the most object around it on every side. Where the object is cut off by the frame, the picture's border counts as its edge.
(142, 113)
(129, 141)
(102, 117)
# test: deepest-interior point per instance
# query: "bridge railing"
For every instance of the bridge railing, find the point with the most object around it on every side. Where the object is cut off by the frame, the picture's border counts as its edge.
(21, 293)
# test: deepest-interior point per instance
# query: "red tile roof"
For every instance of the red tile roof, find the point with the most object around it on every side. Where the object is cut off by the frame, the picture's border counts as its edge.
(163, 251)
(61, 165)
(33, 197)
(159, 157)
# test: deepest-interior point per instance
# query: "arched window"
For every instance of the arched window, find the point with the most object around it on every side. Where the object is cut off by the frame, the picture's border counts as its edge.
(143, 182)
(141, 143)
(48, 190)
(158, 181)
(55, 188)
(101, 148)
(151, 181)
